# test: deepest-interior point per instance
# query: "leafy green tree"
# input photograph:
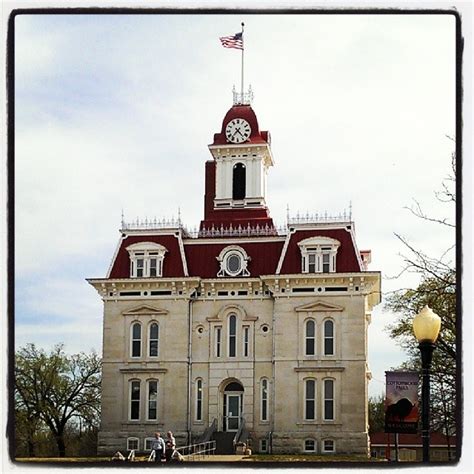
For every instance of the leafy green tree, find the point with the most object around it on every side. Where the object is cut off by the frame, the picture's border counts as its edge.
(55, 388)
(376, 414)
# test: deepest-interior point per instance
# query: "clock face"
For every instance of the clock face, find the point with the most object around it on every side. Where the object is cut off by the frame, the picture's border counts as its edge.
(238, 130)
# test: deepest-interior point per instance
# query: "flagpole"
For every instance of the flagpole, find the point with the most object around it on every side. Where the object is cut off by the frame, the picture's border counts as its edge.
(242, 77)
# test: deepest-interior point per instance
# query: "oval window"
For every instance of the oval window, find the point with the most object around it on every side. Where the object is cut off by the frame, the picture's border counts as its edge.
(234, 263)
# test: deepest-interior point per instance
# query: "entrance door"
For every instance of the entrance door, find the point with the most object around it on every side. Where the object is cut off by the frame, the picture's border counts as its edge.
(232, 415)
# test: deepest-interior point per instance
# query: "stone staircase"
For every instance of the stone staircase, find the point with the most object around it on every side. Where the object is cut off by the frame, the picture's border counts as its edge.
(224, 442)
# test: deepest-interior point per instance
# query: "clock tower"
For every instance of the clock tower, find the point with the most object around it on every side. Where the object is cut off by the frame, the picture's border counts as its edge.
(236, 178)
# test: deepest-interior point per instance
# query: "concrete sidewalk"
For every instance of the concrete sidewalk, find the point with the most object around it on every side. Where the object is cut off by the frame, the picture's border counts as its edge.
(217, 458)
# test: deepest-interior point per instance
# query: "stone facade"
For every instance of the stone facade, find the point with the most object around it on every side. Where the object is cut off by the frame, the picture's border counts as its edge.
(275, 352)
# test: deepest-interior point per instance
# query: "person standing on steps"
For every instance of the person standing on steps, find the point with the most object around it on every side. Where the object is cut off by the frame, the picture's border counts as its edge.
(170, 445)
(158, 447)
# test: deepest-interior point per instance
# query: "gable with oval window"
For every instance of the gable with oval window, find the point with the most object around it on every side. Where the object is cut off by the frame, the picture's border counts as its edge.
(233, 262)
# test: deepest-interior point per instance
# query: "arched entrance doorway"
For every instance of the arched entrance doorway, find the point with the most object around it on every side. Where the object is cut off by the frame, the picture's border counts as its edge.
(233, 400)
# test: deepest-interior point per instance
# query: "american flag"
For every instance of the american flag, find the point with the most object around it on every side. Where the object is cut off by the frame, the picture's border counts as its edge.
(236, 41)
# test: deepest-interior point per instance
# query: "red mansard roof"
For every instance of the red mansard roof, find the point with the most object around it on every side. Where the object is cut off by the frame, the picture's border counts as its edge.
(202, 259)
(264, 253)
(172, 264)
(346, 259)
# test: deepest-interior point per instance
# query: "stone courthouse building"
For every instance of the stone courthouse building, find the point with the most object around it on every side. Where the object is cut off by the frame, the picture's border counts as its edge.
(239, 330)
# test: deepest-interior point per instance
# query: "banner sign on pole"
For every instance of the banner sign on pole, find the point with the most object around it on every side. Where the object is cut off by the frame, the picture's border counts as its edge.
(401, 402)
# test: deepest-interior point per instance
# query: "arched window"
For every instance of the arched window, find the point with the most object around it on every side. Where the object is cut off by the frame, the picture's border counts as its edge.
(310, 337)
(153, 337)
(310, 399)
(136, 340)
(199, 400)
(328, 337)
(134, 399)
(328, 399)
(264, 400)
(232, 335)
(238, 181)
(152, 400)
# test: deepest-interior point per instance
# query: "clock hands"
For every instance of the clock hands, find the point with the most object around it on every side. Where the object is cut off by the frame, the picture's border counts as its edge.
(238, 127)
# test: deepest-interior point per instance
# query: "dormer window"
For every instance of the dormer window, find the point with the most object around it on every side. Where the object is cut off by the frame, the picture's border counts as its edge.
(233, 262)
(318, 254)
(146, 259)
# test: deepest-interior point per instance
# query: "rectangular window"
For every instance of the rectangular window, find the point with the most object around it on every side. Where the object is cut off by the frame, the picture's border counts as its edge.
(140, 267)
(135, 400)
(310, 395)
(328, 446)
(132, 443)
(246, 341)
(148, 443)
(263, 445)
(329, 400)
(153, 267)
(312, 263)
(264, 412)
(310, 445)
(199, 400)
(326, 264)
(232, 335)
(152, 399)
(218, 341)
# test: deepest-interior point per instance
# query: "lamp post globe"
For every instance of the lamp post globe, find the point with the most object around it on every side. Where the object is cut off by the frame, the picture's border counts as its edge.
(426, 327)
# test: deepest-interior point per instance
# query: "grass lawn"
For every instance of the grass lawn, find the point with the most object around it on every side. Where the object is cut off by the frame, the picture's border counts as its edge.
(56, 459)
(259, 458)
(308, 458)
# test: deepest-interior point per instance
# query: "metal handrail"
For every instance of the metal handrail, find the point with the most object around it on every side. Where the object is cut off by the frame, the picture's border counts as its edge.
(208, 432)
(239, 431)
(199, 450)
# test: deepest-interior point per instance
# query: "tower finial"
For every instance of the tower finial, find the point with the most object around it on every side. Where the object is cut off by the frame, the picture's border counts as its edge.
(122, 222)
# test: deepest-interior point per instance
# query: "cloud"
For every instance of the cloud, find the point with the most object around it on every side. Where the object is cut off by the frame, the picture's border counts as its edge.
(115, 112)
(59, 309)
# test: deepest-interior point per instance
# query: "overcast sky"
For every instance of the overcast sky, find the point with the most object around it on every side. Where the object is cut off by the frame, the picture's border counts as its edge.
(115, 112)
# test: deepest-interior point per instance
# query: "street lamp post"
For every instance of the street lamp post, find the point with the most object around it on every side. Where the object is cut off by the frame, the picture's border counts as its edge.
(426, 326)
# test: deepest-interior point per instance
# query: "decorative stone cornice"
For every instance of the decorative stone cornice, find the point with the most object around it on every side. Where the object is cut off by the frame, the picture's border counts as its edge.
(141, 370)
(321, 306)
(144, 310)
(319, 369)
